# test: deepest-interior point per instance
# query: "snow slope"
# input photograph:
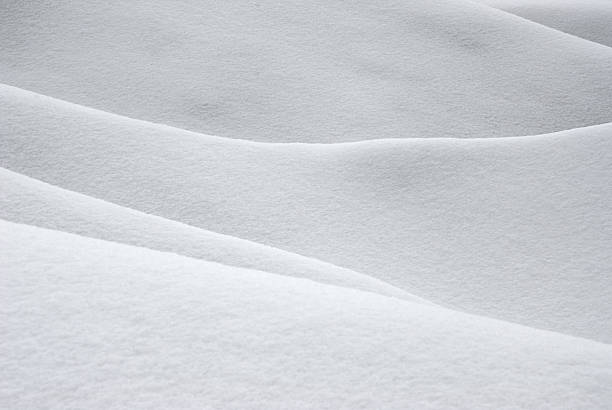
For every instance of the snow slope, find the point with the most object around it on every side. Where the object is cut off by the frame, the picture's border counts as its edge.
(26, 200)
(317, 70)
(589, 19)
(144, 329)
(514, 228)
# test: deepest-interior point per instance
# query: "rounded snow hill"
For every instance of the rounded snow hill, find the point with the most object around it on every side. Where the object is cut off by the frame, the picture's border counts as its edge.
(588, 19)
(309, 71)
(92, 324)
(29, 201)
(512, 228)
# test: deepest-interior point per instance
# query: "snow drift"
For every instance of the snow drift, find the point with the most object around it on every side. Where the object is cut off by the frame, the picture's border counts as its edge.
(588, 19)
(144, 329)
(305, 204)
(26, 200)
(309, 71)
(513, 228)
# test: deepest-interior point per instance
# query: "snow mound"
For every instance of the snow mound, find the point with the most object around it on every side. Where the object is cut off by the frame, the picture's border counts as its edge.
(32, 202)
(588, 19)
(309, 71)
(513, 228)
(143, 329)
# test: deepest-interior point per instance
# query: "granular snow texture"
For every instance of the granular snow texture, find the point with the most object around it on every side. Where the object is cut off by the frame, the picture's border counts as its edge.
(228, 204)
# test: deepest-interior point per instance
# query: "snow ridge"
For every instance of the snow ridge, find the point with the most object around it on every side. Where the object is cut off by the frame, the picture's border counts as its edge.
(537, 209)
(309, 204)
(26, 200)
(313, 71)
(172, 323)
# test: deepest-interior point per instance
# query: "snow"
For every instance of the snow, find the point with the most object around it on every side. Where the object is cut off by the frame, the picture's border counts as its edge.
(26, 200)
(512, 228)
(313, 204)
(94, 324)
(588, 19)
(309, 71)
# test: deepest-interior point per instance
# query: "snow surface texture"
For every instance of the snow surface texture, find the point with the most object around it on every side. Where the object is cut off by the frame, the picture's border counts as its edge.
(588, 19)
(29, 201)
(514, 228)
(145, 263)
(306, 71)
(148, 329)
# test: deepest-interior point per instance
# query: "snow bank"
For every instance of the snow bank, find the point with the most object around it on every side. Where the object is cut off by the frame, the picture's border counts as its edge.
(93, 324)
(588, 19)
(514, 228)
(26, 200)
(309, 71)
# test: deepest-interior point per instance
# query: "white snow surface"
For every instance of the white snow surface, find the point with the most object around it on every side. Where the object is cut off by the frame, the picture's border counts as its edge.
(26, 200)
(588, 19)
(229, 204)
(144, 329)
(513, 228)
(309, 71)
